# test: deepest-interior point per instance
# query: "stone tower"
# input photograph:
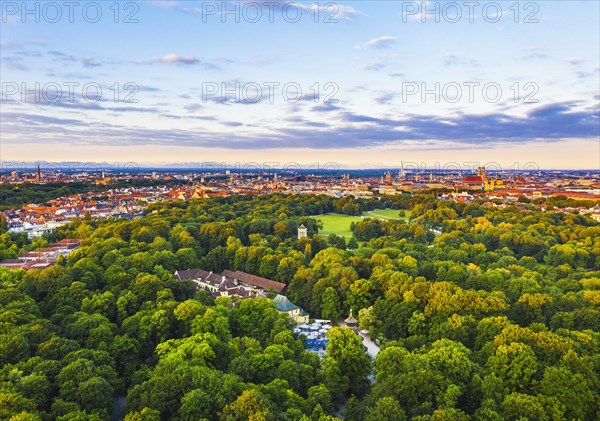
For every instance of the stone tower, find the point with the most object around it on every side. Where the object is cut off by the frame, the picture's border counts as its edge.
(302, 232)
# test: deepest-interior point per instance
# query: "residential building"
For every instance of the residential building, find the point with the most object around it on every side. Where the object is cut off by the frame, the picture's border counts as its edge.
(284, 305)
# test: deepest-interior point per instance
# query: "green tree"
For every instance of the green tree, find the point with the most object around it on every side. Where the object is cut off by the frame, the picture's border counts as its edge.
(331, 307)
(573, 390)
(249, 406)
(515, 364)
(146, 414)
(386, 408)
(345, 348)
(352, 243)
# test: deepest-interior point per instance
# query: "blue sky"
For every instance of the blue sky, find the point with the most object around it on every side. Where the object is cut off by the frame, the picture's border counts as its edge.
(370, 63)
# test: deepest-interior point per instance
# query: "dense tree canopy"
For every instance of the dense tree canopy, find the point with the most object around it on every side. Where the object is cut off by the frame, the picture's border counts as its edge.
(496, 317)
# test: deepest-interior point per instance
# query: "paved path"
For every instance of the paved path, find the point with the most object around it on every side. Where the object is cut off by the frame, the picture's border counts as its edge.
(372, 348)
(383, 216)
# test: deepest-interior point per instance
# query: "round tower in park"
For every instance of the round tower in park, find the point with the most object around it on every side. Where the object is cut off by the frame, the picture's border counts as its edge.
(302, 232)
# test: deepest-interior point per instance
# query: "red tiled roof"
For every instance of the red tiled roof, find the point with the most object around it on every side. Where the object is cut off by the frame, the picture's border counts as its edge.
(473, 179)
(191, 274)
(255, 281)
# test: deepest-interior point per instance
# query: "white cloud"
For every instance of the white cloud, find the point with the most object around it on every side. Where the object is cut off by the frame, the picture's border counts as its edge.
(379, 42)
(165, 4)
(174, 58)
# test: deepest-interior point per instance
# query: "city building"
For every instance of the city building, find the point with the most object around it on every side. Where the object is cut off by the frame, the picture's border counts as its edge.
(253, 281)
(42, 258)
(229, 283)
(284, 305)
(217, 285)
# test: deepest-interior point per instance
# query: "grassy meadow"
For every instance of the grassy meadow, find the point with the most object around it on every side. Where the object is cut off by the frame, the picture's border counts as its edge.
(338, 224)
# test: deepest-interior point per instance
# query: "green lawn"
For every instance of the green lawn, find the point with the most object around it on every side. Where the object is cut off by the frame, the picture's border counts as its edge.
(386, 214)
(335, 223)
(338, 224)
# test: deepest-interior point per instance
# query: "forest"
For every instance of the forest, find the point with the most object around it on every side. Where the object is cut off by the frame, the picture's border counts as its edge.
(480, 312)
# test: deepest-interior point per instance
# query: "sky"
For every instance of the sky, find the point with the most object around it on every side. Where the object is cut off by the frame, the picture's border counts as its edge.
(361, 84)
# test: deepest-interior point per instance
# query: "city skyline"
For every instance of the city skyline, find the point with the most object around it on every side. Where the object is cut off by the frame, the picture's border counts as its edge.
(382, 82)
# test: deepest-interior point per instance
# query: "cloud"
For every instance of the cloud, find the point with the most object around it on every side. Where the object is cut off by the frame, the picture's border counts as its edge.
(14, 63)
(575, 60)
(69, 75)
(385, 98)
(36, 119)
(26, 53)
(176, 59)
(87, 62)
(345, 12)
(189, 117)
(549, 123)
(132, 109)
(19, 43)
(535, 53)
(305, 122)
(165, 4)
(326, 107)
(52, 98)
(584, 75)
(192, 108)
(456, 60)
(235, 99)
(312, 96)
(375, 67)
(380, 42)
(146, 88)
